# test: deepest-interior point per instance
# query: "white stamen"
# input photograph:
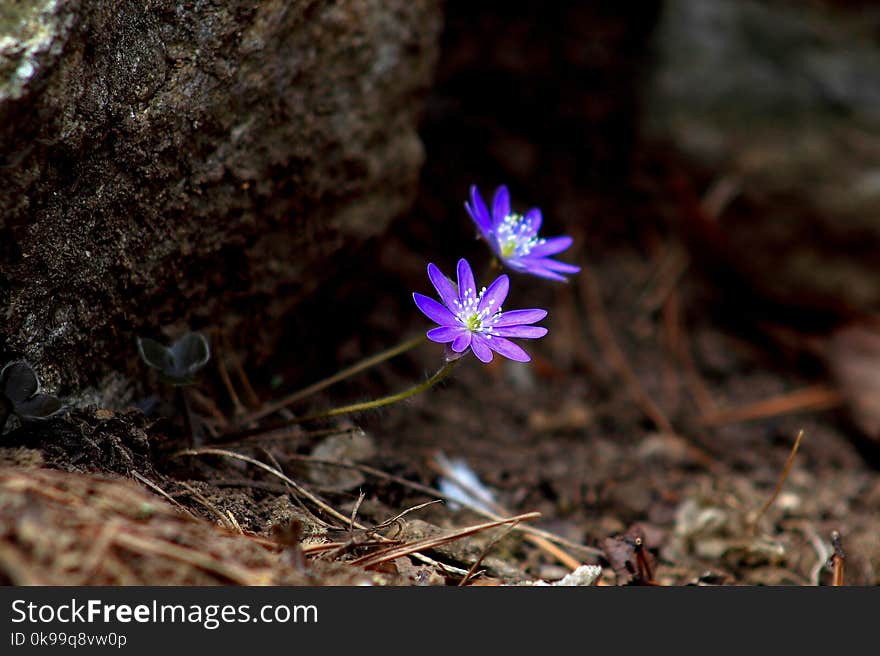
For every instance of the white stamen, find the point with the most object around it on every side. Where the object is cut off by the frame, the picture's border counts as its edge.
(516, 236)
(471, 317)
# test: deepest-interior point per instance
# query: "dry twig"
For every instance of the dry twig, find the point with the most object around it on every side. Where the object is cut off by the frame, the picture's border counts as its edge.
(158, 490)
(485, 552)
(810, 399)
(323, 505)
(434, 492)
(202, 499)
(295, 496)
(612, 354)
(539, 541)
(398, 551)
(238, 408)
(243, 379)
(148, 545)
(837, 559)
(785, 470)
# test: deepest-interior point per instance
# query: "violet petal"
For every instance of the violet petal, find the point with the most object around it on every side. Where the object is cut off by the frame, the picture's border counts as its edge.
(500, 205)
(465, 280)
(519, 317)
(479, 212)
(435, 311)
(495, 295)
(445, 334)
(462, 342)
(444, 286)
(480, 347)
(525, 332)
(551, 246)
(508, 349)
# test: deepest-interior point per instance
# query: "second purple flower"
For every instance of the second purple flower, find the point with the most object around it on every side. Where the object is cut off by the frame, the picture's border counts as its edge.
(473, 320)
(514, 238)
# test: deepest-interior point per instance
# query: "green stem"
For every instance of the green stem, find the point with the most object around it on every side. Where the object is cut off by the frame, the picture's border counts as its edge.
(442, 373)
(290, 399)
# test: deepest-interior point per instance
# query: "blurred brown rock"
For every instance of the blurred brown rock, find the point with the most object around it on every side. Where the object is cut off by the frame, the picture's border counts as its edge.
(785, 98)
(168, 162)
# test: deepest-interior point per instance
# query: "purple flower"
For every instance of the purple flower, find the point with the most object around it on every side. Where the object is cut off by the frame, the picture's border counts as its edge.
(514, 237)
(469, 320)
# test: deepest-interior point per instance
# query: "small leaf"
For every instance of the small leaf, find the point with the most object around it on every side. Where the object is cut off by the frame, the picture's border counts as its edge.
(38, 407)
(190, 353)
(155, 355)
(19, 382)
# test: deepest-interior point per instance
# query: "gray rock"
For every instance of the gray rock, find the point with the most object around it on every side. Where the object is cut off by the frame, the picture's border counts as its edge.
(164, 161)
(784, 97)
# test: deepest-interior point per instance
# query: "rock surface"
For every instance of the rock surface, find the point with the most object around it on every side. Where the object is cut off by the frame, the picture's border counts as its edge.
(784, 98)
(162, 162)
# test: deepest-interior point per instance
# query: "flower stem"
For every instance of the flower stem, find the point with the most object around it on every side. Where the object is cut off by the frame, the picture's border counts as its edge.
(314, 388)
(442, 373)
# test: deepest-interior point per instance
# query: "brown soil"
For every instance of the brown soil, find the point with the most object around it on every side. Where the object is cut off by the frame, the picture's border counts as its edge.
(566, 436)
